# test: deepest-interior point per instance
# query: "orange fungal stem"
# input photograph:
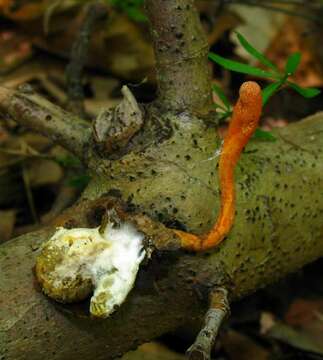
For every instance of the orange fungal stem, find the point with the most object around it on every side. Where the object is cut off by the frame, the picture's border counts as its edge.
(244, 121)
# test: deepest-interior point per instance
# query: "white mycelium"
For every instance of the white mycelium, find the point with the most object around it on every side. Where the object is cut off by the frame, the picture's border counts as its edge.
(108, 259)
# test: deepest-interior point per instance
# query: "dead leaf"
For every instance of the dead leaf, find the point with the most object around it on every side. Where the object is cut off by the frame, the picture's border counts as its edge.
(120, 46)
(259, 27)
(43, 172)
(307, 316)
(7, 223)
(15, 49)
(292, 38)
(4, 136)
(153, 351)
(14, 10)
(299, 339)
(242, 347)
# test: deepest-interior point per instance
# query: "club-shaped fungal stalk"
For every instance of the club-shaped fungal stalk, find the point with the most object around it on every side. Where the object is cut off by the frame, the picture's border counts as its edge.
(76, 262)
(244, 121)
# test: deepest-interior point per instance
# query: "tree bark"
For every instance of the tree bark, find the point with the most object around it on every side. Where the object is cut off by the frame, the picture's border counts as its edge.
(171, 178)
(278, 229)
(181, 50)
(37, 113)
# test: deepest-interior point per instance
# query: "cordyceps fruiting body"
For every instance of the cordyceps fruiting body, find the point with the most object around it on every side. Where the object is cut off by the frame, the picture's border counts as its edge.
(244, 121)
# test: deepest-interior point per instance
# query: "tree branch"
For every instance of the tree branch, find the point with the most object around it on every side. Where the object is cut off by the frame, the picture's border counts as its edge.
(278, 229)
(40, 115)
(95, 11)
(181, 49)
(217, 313)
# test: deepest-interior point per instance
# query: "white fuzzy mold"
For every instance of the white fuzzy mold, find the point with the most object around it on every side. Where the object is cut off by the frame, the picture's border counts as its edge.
(76, 262)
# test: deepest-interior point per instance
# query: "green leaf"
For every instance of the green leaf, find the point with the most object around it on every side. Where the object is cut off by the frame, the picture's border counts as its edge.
(68, 161)
(131, 7)
(218, 106)
(305, 92)
(79, 182)
(136, 15)
(270, 90)
(222, 96)
(240, 67)
(255, 53)
(226, 114)
(292, 63)
(264, 135)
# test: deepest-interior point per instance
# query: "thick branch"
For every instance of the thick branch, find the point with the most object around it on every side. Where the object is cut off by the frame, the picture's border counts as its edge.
(278, 229)
(180, 49)
(40, 115)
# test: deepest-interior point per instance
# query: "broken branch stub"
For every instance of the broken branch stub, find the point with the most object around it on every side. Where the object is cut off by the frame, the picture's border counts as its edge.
(219, 310)
(114, 128)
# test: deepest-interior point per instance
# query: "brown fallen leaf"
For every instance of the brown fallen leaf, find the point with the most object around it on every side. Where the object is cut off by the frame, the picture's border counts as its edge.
(15, 49)
(7, 223)
(153, 351)
(307, 316)
(278, 330)
(294, 37)
(43, 172)
(24, 12)
(242, 347)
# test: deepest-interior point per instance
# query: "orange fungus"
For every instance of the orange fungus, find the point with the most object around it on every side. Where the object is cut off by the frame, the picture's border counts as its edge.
(244, 121)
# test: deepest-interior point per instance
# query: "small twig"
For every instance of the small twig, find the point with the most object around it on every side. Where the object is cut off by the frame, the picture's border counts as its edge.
(218, 311)
(30, 197)
(40, 115)
(79, 55)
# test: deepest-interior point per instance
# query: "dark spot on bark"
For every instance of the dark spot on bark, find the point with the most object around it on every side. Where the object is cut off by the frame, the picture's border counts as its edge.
(115, 193)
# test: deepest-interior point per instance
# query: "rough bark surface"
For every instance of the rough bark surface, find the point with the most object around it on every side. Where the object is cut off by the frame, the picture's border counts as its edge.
(278, 229)
(168, 171)
(181, 50)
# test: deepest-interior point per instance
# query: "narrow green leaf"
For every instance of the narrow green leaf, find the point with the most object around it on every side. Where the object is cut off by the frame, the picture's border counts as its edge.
(221, 95)
(136, 15)
(270, 90)
(264, 135)
(255, 53)
(240, 67)
(218, 106)
(132, 8)
(292, 63)
(68, 161)
(306, 92)
(79, 182)
(227, 114)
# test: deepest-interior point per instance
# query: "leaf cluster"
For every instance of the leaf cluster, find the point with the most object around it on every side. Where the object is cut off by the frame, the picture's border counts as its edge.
(278, 78)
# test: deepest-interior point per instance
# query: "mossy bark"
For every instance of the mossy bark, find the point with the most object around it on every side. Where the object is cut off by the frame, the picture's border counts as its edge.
(278, 229)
